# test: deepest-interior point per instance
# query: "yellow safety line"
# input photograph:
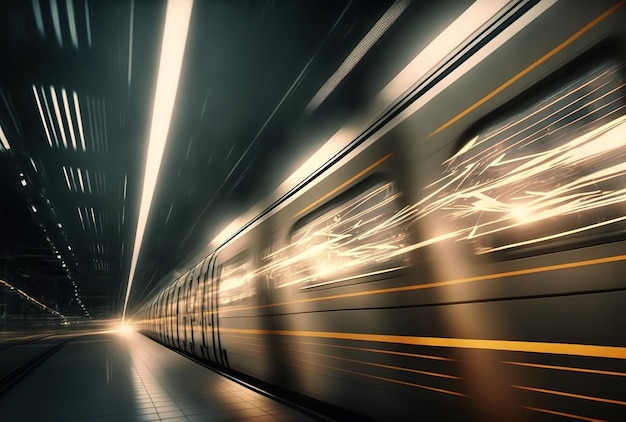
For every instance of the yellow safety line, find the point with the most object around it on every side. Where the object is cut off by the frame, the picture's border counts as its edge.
(590, 350)
(530, 68)
(343, 185)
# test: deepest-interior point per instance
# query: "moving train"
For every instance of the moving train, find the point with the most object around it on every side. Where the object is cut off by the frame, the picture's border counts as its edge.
(461, 257)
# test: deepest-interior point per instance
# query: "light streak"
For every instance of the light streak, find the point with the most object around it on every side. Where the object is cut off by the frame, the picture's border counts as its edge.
(3, 140)
(67, 179)
(360, 238)
(79, 121)
(57, 112)
(45, 101)
(556, 170)
(70, 124)
(72, 22)
(177, 18)
(56, 21)
(43, 120)
(31, 299)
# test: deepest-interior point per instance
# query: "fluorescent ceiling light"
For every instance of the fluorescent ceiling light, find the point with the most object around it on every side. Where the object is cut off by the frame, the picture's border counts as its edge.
(72, 22)
(70, 125)
(43, 120)
(3, 139)
(177, 19)
(57, 112)
(79, 122)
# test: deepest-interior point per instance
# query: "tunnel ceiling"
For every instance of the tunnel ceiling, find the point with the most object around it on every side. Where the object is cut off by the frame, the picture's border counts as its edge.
(77, 84)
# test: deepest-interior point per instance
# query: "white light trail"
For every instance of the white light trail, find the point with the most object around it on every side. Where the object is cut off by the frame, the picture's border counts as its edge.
(556, 170)
(68, 116)
(31, 299)
(67, 179)
(72, 22)
(88, 180)
(80, 180)
(54, 9)
(79, 121)
(130, 40)
(45, 101)
(38, 18)
(57, 112)
(43, 120)
(88, 23)
(4, 140)
(177, 17)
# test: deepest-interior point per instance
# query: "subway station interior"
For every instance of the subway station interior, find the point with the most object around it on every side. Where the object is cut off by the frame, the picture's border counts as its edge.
(310, 210)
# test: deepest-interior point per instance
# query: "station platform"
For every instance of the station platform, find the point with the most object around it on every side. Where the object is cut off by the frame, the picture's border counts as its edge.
(104, 375)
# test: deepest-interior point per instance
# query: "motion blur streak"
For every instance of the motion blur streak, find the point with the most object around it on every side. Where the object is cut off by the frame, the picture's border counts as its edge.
(567, 415)
(177, 19)
(589, 350)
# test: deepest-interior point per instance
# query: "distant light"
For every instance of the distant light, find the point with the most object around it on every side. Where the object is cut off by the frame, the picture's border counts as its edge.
(60, 225)
(58, 256)
(23, 182)
(3, 139)
(69, 247)
(33, 162)
(177, 19)
(32, 207)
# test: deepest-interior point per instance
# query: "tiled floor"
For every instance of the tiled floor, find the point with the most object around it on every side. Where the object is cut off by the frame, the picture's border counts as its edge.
(109, 377)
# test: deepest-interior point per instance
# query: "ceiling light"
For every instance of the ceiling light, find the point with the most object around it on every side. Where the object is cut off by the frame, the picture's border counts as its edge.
(79, 122)
(68, 116)
(177, 19)
(43, 120)
(3, 139)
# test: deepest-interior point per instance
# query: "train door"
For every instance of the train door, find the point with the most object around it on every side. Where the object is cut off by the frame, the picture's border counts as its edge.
(185, 311)
(217, 341)
(206, 308)
(168, 313)
(191, 307)
(197, 334)
(178, 318)
(162, 323)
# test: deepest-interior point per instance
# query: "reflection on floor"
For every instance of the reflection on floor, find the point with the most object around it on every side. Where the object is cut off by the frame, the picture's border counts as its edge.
(105, 376)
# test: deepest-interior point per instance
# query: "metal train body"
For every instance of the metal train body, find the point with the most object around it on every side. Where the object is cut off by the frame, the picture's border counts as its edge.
(462, 258)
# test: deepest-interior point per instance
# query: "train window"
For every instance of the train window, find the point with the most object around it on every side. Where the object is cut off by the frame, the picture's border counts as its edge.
(355, 239)
(236, 282)
(550, 177)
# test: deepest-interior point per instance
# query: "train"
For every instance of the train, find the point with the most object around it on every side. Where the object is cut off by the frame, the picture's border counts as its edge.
(461, 256)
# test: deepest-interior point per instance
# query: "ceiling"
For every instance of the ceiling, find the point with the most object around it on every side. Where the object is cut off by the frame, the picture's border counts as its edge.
(257, 81)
